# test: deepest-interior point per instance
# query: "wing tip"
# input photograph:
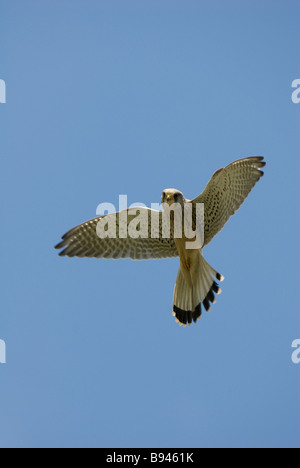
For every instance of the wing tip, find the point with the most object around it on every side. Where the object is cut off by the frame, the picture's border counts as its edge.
(62, 253)
(259, 161)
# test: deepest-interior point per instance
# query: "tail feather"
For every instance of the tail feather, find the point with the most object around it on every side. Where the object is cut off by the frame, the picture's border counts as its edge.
(187, 300)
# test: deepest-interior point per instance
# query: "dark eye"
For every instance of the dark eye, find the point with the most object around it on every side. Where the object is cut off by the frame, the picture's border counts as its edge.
(163, 195)
(175, 197)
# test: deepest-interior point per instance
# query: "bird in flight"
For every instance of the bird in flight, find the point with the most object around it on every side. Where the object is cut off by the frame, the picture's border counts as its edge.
(196, 283)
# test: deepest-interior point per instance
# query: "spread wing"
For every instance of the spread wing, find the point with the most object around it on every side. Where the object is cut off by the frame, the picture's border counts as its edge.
(226, 191)
(136, 233)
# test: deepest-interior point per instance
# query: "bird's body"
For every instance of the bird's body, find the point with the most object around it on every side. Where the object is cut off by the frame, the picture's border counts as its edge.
(196, 279)
(188, 257)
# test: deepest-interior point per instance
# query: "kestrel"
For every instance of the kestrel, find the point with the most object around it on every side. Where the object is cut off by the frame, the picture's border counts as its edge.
(196, 279)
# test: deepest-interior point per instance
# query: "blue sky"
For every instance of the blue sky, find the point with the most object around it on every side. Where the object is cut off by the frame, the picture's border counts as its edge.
(111, 97)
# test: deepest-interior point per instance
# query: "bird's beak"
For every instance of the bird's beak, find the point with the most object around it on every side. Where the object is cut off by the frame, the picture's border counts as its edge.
(169, 198)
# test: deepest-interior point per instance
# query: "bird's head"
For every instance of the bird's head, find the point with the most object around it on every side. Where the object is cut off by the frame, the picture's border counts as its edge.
(171, 196)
